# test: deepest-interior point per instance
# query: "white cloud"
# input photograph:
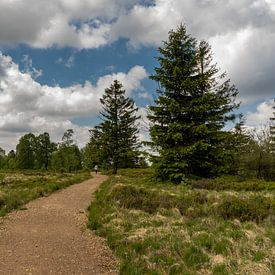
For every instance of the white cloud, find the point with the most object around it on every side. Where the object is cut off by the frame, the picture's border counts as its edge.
(262, 115)
(144, 124)
(147, 25)
(91, 24)
(242, 32)
(79, 24)
(27, 106)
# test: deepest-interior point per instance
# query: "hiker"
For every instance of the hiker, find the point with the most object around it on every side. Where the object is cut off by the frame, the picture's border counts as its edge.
(96, 168)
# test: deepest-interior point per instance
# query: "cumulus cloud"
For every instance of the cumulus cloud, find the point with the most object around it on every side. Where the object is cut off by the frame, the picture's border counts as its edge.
(27, 106)
(91, 24)
(242, 32)
(80, 24)
(262, 115)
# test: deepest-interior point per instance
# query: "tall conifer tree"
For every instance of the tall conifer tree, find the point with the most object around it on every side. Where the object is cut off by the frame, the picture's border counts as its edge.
(194, 103)
(117, 134)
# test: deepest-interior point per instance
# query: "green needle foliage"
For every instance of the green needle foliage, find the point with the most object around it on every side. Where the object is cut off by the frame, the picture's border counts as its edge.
(194, 104)
(116, 137)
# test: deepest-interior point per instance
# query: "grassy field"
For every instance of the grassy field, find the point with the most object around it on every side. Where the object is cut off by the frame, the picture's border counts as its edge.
(220, 226)
(18, 188)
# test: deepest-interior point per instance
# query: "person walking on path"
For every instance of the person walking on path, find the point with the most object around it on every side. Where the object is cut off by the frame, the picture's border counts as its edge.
(96, 168)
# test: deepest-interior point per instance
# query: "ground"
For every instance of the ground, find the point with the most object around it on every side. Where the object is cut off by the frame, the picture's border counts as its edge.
(50, 236)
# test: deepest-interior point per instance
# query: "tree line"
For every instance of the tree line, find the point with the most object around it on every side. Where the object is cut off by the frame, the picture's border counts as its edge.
(39, 152)
(195, 101)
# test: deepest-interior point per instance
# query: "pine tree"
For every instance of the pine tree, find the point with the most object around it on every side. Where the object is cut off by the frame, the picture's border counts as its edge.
(117, 134)
(193, 106)
(92, 152)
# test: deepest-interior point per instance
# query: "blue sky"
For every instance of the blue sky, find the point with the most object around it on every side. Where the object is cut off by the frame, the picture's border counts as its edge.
(57, 59)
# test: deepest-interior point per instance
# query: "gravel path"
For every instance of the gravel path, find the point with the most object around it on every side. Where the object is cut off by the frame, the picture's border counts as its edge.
(51, 237)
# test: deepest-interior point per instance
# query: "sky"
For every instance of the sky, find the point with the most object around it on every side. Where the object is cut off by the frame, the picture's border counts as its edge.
(58, 56)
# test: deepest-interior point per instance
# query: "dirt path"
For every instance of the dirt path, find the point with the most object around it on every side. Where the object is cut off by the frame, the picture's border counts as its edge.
(51, 237)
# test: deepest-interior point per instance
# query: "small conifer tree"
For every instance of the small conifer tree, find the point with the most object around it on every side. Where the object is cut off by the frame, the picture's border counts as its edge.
(117, 133)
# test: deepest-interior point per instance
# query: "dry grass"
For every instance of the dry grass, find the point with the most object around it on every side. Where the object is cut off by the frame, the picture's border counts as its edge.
(166, 229)
(18, 188)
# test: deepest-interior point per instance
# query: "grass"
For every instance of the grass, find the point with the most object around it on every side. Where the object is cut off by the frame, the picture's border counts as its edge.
(18, 188)
(157, 228)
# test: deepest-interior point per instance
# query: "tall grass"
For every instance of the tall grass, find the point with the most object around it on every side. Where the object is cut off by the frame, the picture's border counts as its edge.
(157, 228)
(18, 188)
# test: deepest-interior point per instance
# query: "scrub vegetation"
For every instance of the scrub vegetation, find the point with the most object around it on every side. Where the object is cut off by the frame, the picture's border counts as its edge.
(162, 228)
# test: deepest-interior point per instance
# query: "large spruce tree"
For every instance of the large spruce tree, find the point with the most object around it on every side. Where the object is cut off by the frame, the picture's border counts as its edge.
(116, 136)
(194, 104)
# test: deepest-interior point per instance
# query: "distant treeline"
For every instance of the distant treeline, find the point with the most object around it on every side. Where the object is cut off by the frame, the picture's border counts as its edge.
(39, 152)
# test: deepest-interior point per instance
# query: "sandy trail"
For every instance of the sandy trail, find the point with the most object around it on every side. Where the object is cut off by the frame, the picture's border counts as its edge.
(51, 237)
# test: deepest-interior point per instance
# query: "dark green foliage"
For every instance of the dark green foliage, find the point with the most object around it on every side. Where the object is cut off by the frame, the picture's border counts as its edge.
(68, 156)
(10, 160)
(254, 156)
(32, 152)
(132, 197)
(2, 158)
(38, 152)
(25, 152)
(114, 141)
(254, 208)
(233, 183)
(43, 151)
(194, 103)
(93, 152)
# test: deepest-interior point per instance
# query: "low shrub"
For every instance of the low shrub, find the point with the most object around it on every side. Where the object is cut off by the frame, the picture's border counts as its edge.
(161, 228)
(255, 208)
(233, 183)
(129, 197)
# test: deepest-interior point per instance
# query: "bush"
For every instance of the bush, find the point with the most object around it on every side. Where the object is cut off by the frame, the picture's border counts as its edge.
(245, 209)
(140, 198)
(233, 183)
(192, 204)
(131, 197)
